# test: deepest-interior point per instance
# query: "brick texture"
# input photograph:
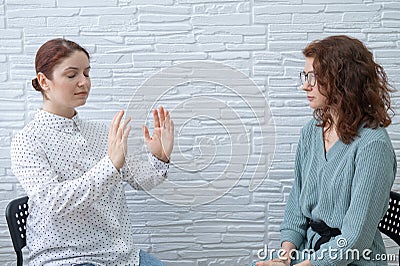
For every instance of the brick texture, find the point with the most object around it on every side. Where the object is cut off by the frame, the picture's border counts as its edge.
(130, 41)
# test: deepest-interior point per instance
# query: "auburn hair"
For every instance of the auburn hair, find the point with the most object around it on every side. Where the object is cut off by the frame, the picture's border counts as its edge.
(52, 53)
(356, 87)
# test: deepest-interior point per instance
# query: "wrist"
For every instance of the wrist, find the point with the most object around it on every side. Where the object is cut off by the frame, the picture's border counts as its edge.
(164, 159)
(284, 257)
(117, 165)
(288, 261)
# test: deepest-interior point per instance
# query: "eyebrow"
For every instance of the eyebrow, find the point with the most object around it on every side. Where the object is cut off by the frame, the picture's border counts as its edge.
(75, 68)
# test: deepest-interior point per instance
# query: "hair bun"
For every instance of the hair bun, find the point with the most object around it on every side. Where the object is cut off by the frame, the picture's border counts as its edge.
(35, 84)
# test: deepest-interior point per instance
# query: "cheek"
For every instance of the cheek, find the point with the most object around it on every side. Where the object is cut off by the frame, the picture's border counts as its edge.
(320, 94)
(67, 88)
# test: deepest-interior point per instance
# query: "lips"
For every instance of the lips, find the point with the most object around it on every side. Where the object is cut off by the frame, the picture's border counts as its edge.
(310, 98)
(82, 93)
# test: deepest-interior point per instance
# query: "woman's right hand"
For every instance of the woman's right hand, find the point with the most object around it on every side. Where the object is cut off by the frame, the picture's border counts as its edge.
(118, 139)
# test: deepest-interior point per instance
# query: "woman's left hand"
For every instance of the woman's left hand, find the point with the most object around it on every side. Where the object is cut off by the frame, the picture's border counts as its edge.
(162, 141)
(273, 262)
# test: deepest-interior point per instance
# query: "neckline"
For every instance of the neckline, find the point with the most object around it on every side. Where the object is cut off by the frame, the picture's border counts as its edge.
(333, 150)
(60, 123)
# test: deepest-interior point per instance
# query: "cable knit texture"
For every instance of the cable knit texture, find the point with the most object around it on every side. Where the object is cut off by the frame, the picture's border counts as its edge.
(348, 188)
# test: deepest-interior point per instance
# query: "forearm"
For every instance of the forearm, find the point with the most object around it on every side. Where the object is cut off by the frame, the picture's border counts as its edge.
(288, 248)
(287, 256)
(144, 175)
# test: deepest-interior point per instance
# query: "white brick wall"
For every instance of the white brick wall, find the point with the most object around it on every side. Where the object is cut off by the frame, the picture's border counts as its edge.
(131, 40)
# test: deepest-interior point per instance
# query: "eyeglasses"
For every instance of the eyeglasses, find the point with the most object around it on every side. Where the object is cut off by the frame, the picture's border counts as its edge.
(310, 77)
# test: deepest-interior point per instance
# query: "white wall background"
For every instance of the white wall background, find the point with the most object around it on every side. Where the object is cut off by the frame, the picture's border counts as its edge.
(130, 40)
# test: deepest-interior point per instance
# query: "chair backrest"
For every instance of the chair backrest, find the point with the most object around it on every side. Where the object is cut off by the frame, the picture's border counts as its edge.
(390, 224)
(16, 214)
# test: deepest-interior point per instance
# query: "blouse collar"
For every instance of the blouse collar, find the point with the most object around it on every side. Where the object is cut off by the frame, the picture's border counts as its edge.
(57, 122)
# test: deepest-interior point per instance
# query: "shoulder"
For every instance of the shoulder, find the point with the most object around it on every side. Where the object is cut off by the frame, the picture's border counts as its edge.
(374, 146)
(310, 129)
(368, 136)
(26, 142)
(29, 132)
(308, 137)
(310, 125)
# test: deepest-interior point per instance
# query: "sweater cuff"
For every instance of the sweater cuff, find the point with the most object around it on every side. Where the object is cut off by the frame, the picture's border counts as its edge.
(293, 237)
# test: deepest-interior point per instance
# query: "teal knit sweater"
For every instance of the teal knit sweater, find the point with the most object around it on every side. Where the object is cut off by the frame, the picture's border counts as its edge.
(348, 188)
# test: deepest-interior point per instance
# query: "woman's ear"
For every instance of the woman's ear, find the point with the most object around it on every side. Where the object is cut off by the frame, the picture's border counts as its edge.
(43, 81)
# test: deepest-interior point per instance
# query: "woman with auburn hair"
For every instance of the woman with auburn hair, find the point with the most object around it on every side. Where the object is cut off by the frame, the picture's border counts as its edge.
(74, 170)
(345, 164)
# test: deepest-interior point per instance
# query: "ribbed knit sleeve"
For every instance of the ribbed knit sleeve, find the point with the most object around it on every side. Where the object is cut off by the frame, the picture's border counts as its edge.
(348, 188)
(375, 168)
(294, 226)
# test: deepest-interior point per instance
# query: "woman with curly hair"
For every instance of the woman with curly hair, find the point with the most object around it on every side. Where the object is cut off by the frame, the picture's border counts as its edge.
(345, 164)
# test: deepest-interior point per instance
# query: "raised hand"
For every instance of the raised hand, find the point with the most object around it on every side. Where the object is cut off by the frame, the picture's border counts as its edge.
(118, 139)
(162, 141)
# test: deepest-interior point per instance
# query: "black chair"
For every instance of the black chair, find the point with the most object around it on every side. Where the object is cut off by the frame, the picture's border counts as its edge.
(16, 214)
(390, 223)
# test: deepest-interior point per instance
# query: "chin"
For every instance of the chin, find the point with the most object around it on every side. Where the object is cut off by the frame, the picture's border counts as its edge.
(80, 103)
(315, 106)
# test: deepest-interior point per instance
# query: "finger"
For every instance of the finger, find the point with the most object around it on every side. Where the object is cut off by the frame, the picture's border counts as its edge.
(119, 117)
(162, 116)
(112, 122)
(172, 128)
(120, 133)
(146, 134)
(120, 128)
(168, 121)
(156, 118)
(126, 122)
(126, 134)
(166, 112)
(125, 140)
(112, 131)
(117, 121)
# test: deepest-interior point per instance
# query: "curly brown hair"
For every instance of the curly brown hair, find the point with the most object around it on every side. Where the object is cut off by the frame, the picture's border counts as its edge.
(356, 87)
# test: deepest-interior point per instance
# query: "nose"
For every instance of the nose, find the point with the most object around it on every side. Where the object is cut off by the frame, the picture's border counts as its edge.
(306, 86)
(83, 81)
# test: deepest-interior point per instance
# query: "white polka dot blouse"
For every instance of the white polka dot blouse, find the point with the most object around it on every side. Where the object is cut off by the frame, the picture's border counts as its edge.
(78, 211)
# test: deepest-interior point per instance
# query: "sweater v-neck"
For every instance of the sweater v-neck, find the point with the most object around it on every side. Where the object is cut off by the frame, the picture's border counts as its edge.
(333, 150)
